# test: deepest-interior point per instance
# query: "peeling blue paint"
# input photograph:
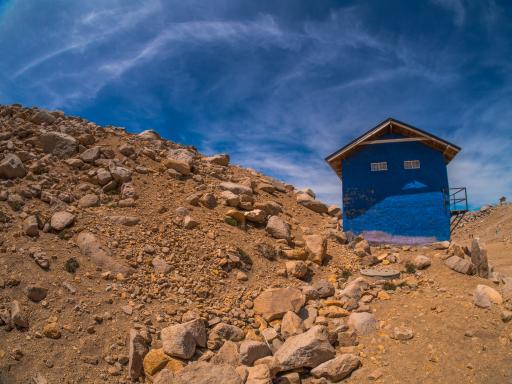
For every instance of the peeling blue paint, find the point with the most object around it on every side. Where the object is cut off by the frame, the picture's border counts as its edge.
(414, 185)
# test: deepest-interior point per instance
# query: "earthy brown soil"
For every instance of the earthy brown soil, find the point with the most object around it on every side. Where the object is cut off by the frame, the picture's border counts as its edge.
(94, 318)
(440, 313)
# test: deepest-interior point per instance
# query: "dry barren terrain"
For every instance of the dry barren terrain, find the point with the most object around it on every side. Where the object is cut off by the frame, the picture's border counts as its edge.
(129, 258)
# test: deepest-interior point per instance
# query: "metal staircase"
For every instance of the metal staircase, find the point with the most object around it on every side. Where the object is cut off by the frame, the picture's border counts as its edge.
(455, 200)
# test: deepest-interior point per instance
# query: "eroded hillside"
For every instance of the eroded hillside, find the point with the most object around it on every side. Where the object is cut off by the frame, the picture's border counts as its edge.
(129, 258)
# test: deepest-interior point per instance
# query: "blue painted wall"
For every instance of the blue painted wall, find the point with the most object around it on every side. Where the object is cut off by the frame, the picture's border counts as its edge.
(397, 205)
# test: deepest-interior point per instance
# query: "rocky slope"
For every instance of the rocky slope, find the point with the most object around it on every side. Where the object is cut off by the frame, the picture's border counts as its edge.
(129, 258)
(493, 225)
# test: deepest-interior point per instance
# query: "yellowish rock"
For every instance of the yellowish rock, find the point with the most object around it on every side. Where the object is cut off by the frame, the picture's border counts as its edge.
(329, 302)
(276, 324)
(260, 322)
(175, 365)
(237, 215)
(383, 295)
(154, 361)
(332, 279)
(333, 311)
(251, 335)
(295, 254)
(51, 330)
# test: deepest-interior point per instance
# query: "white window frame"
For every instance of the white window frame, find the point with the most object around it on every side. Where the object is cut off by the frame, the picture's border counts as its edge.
(378, 167)
(412, 164)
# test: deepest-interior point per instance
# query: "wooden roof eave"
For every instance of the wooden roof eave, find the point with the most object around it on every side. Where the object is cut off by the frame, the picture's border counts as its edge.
(449, 151)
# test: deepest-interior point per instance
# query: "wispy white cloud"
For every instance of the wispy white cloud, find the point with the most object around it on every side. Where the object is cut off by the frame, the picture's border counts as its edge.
(260, 32)
(91, 29)
(278, 94)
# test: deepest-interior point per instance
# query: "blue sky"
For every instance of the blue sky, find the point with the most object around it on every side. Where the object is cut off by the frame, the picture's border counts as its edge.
(277, 84)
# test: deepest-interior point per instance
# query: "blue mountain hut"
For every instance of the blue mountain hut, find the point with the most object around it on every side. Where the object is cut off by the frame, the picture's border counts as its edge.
(395, 185)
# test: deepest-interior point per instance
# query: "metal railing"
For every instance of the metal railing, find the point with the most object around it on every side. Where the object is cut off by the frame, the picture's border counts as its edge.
(456, 204)
(456, 200)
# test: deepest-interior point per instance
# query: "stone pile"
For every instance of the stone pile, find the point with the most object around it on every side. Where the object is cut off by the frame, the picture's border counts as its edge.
(298, 333)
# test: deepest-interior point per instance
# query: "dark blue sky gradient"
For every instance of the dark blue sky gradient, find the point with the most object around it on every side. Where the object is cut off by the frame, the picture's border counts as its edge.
(277, 84)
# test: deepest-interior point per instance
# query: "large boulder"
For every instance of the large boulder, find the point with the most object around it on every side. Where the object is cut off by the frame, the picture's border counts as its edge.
(181, 340)
(43, 116)
(308, 350)
(88, 201)
(316, 246)
(208, 200)
(273, 303)
(165, 376)
(31, 226)
(207, 373)
(90, 155)
(270, 207)
(128, 221)
(315, 206)
(18, 316)
(303, 197)
(459, 264)
(484, 296)
(479, 258)
(59, 144)
(338, 368)
(307, 191)
(362, 248)
(178, 165)
(221, 159)
(227, 354)
(355, 288)
(61, 220)
(149, 134)
(103, 176)
(277, 228)
(183, 155)
(421, 262)
(251, 350)
(223, 332)
(260, 374)
(297, 269)
(156, 359)
(440, 245)
(12, 167)
(237, 189)
(334, 210)
(324, 288)
(256, 216)
(137, 350)
(160, 265)
(291, 325)
(91, 247)
(363, 322)
(36, 293)
(120, 174)
(230, 199)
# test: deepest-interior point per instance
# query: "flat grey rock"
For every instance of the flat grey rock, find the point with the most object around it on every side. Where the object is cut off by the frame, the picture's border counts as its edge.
(382, 273)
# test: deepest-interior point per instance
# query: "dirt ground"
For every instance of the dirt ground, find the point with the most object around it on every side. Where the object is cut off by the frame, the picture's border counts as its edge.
(441, 312)
(214, 270)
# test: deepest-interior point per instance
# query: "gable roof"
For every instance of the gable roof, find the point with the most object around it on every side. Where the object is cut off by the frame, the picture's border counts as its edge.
(390, 125)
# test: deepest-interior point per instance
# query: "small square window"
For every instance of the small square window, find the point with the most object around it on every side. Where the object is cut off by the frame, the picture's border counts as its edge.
(376, 167)
(411, 164)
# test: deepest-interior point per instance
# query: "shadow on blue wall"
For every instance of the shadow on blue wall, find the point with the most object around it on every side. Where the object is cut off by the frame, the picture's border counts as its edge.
(397, 202)
(421, 216)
